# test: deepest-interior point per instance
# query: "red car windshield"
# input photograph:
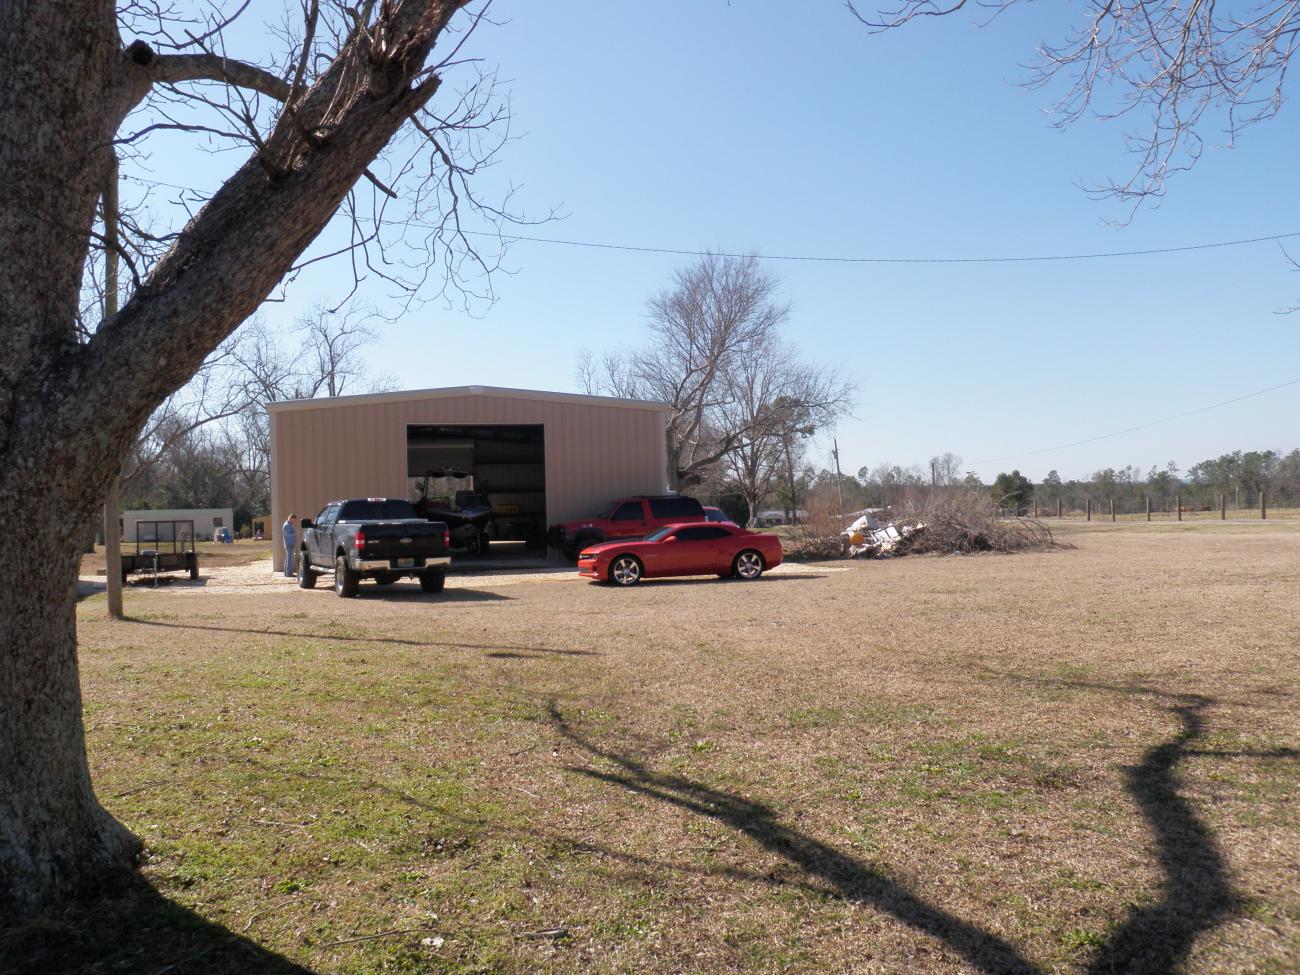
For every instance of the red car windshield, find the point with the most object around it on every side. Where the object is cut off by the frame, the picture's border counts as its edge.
(660, 535)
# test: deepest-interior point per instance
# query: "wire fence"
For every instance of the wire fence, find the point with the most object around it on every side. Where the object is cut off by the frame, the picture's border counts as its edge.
(1221, 506)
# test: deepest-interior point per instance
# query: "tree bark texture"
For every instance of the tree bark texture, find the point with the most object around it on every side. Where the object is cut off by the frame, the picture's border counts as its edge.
(69, 410)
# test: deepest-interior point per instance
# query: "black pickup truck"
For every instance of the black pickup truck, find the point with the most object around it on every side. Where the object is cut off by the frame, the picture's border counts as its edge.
(373, 538)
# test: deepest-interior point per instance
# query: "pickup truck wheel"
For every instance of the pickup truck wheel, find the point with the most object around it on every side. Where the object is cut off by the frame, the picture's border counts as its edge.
(748, 565)
(345, 580)
(433, 581)
(306, 578)
(579, 543)
(483, 543)
(625, 571)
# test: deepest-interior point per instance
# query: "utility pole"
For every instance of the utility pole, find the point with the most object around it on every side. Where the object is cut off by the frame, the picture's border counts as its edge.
(839, 478)
(112, 532)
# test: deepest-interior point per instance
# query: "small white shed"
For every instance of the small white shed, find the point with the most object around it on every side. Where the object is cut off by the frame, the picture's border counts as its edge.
(206, 522)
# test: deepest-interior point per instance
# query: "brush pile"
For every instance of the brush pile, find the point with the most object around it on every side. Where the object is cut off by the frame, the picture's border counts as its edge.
(960, 522)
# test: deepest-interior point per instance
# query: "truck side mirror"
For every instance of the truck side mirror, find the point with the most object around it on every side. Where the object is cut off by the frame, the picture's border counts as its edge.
(305, 524)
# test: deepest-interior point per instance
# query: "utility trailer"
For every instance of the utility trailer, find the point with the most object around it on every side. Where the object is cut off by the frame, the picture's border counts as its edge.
(162, 546)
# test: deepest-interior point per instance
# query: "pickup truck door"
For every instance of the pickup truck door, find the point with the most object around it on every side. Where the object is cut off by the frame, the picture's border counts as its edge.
(321, 546)
(629, 521)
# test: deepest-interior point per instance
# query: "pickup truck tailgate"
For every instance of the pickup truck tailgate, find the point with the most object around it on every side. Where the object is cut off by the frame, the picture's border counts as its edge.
(402, 541)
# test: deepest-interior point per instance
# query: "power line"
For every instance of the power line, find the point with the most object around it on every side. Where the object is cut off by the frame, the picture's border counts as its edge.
(897, 260)
(824, 259)
(1141, 426)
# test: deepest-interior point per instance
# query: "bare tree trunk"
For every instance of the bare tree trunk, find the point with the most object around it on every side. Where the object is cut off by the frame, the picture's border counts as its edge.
(55, 838)
(789, 473)
(69, 412)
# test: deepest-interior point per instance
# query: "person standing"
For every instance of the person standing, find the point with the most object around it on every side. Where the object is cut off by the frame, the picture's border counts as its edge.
(289, 533)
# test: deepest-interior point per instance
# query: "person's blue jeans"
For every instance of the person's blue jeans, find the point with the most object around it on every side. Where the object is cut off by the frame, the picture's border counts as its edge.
(288, 562)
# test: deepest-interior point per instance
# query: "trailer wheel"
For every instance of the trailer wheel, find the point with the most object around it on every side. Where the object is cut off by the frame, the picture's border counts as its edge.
(192, 563)
(345, 580)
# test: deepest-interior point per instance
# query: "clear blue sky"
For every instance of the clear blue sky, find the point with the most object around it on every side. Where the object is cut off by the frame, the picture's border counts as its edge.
(759, 126)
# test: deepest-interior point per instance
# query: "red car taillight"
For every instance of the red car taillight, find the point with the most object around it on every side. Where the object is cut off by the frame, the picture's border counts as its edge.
(360, 540)
(446, 538)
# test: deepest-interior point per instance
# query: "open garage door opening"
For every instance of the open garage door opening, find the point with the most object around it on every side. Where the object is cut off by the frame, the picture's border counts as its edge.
(487, 482)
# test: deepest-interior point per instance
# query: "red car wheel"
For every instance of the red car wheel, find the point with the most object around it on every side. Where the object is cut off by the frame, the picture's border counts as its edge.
(625, 571)
(748, 565)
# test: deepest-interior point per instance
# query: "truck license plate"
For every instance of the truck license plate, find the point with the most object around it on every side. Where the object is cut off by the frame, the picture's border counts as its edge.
(404, 563)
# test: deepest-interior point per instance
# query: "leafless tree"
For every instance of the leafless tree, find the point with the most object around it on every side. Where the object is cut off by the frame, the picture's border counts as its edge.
(1181, 64)
(326, 362)
(753, 385)
(357, 94)
(710, 334)
(945, 469)
(777, 402)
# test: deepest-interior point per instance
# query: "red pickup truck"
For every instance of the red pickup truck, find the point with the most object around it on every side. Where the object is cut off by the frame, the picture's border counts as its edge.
(625, 518)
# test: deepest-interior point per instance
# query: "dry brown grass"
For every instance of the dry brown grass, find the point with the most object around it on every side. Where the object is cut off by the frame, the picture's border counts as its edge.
(1045, 762)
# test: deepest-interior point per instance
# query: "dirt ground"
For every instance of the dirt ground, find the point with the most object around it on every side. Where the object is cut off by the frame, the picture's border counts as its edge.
(258, 577)
(1081, 760)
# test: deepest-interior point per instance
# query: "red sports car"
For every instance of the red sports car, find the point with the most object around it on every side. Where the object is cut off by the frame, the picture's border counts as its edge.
(682, 550)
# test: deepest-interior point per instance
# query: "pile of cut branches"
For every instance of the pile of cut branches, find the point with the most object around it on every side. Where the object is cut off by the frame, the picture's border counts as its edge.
(816, 538)
(960, 522)
(812, 546)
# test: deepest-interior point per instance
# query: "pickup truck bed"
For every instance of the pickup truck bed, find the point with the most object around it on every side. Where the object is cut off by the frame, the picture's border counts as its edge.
(372, 538)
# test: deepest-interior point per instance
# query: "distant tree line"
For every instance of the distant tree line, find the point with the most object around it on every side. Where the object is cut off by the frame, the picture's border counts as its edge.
(1239, 476)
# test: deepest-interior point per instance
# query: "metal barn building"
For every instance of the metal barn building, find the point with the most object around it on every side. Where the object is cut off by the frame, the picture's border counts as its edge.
(541, 457)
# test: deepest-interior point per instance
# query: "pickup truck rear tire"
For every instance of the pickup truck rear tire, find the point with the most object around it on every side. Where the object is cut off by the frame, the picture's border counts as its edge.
(433, 580)
(581, 541)
(306, 578)
(345, 580)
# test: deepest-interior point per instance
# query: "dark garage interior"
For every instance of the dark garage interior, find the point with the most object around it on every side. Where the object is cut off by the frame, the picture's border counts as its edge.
(507, 464)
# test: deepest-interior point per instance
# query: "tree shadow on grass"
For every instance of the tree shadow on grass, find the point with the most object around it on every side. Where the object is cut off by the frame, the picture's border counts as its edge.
(338, 638)
(1196, 894)
(134, 929)
(850, 878)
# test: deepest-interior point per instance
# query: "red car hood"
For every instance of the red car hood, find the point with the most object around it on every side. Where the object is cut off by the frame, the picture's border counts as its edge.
(606, 546)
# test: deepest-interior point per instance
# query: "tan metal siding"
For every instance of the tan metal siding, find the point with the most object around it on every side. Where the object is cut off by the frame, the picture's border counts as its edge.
(593, 452)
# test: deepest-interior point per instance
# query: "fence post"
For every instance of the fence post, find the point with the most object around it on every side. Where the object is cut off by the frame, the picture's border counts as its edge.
(1112, 509)
(1148, 500)
(1178, 503)
(1035, 509)
(1236, 498)
(1058, 507)
(1263, 507)
(1090, 509)
(1223, 506)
